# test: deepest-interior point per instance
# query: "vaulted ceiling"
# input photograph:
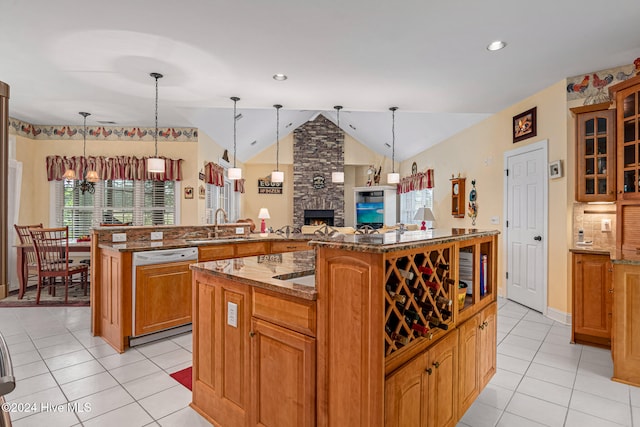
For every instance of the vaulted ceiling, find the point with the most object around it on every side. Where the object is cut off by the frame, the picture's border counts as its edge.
(428, 58)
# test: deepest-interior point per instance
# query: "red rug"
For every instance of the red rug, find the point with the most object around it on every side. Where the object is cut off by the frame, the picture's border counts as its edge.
(184, 377)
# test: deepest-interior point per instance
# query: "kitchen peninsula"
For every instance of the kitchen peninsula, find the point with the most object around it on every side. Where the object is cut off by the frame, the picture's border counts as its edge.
(132, 299)
(384, 335)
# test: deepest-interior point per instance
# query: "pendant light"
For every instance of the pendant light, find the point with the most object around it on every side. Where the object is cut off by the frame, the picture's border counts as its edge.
(156, 164)
(393, 177)
(276, 175)
(91, 175)
(337, 177)
(234, 172)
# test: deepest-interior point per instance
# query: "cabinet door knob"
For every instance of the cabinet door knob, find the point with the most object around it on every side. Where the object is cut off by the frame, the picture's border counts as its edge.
(610, 291)
(252, 334)
(429, 371)
(481, 326)
(436, 364)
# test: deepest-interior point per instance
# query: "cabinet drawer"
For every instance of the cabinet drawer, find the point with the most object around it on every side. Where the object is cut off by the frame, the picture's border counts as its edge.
(289, 246)
(296, 315)
(253, 248)
(210, 253)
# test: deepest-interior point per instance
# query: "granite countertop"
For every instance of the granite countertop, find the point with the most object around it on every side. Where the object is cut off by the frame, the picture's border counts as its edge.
(626, 257)
(589, 249)
(394, 241)
(151, 245)
(275, 272)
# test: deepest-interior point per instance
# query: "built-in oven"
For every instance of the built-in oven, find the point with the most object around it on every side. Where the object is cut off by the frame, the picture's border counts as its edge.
(161, 294)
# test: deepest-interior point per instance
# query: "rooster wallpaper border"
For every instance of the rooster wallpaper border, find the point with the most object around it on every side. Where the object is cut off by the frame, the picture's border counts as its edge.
(100, 133)
(593, 86)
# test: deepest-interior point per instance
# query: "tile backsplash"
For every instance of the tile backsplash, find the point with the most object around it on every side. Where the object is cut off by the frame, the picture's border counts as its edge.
(588, 217)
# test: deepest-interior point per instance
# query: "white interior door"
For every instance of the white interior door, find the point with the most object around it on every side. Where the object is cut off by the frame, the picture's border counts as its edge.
(526, 226)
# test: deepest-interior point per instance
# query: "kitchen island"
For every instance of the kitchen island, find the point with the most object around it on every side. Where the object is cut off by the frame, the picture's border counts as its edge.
(385, 337)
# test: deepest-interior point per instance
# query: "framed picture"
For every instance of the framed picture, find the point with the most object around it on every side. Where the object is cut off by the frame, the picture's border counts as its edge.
(524, 125)
(188, 192)
(201, 191)
(555, 169)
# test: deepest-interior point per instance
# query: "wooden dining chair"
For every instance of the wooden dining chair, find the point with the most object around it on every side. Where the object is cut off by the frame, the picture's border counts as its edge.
(52, 256)
(30, 254)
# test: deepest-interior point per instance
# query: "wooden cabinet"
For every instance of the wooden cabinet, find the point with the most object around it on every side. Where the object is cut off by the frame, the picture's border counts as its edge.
(591, 308)
(252, 365)
(283, 380)
(162, 297)
(595, 153)
(289, 246)
(477, 355)
(626, 324)
(215, 252)
(457, 197)
(627, 96)
(424, 391)
(221, 350)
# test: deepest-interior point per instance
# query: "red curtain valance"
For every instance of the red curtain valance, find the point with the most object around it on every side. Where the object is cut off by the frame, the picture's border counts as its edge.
(417, 181)
(120, 167)
(214, 174)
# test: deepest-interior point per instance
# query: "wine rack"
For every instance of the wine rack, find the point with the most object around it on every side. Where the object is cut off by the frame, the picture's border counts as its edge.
(420, 296)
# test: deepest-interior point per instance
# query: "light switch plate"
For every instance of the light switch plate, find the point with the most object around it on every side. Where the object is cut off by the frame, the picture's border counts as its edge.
(119, 237)
(232, 314)
(156, 235)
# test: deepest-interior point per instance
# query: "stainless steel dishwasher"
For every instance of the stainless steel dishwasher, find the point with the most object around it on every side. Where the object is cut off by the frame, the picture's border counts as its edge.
(7, 381)
(169, 257)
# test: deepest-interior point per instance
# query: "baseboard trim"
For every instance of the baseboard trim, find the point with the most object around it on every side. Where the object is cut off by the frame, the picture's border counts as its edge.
(559, 316)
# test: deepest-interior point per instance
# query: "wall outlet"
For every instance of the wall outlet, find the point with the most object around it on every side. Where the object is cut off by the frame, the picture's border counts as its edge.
(232, 314)
(119, 237)
(156, 235)
(605, 225)
(495, 220)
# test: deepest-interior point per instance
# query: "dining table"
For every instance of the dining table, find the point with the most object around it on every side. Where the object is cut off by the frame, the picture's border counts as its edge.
(22, 265)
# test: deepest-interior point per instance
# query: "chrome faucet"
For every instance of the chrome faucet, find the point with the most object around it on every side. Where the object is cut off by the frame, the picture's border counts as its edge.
(224, 216)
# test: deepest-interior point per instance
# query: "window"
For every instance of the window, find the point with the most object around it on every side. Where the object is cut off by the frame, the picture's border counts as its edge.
(114, 201)
(411, 201)
(222, 197)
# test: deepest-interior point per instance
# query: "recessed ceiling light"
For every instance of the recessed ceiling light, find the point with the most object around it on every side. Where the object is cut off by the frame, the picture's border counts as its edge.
(496, 45)
(279, 77)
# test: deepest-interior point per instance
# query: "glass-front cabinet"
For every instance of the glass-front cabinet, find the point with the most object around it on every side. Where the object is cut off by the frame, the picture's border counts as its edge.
(629, 143)
(596, 154)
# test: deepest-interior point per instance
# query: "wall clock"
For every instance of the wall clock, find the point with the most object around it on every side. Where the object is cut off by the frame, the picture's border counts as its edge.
(457, 197)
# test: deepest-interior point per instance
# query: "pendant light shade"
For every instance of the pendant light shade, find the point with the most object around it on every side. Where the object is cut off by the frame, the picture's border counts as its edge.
(69, 174)
(234, 173)
(156, 164)
(393, 177)
(92, 176)
(337, 177)
(277, 175)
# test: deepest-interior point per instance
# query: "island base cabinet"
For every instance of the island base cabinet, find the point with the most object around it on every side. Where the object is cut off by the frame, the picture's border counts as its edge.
(221, 326)
(282, 377)
(423, 392)
(626, 324)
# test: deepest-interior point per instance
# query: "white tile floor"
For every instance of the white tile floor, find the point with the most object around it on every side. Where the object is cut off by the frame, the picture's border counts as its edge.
(542, 380)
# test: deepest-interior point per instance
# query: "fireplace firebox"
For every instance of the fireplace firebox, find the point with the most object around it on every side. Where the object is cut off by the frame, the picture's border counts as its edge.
(318, 217)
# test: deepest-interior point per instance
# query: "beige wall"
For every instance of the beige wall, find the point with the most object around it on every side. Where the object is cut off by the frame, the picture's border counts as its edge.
(34, 203)
(483, 147)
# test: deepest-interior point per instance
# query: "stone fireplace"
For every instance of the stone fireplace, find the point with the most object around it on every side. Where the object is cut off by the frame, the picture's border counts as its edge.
(318, 148)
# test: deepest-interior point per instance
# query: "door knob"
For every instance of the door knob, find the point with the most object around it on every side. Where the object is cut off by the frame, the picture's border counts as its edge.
(538, 238)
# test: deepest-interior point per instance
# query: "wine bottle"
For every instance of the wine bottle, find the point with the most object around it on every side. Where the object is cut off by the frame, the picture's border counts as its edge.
(411, 315)
(425, 270)
(440, 300)
(432, 285)
(420, 329)
(443, 266)
(436, 323)
(396, 296)
(399, 338)
(406, 274)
